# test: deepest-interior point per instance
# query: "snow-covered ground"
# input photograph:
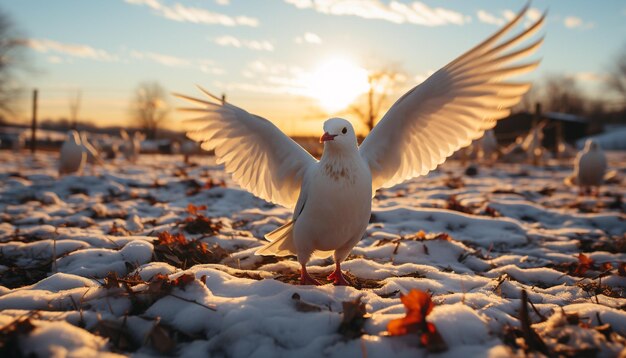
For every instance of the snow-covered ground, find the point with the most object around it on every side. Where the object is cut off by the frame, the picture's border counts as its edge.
(94, 265)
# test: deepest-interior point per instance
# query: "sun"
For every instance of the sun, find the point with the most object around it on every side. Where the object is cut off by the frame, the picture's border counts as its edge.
(336, 83)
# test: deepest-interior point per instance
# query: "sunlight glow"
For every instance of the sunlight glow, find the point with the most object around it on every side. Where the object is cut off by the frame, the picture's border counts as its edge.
(336, 83)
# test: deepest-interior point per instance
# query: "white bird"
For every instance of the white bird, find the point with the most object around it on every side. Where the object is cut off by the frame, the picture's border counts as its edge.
(189, 148)
(72, 157)
(535, 151)
(93, 156)
(589, 167)
(332, 197)
(131, 147)
(488, 147)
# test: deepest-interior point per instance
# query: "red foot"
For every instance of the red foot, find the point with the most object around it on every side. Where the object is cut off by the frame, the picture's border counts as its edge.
(337, 277)
(306, 279)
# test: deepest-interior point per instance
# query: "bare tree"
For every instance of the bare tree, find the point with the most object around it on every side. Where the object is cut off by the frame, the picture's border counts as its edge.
(381, 84)
(617, 77)
(12, 59)
(562, 94)
(149, 107)
(529, 100)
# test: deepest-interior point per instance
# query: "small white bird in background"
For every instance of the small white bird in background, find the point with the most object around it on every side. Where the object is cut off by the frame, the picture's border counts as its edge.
(93, 156)
(189, 148)
(486, 148)
(536, 153)
(589, 168)
(72, 157)
(332, 197)
(131, 147)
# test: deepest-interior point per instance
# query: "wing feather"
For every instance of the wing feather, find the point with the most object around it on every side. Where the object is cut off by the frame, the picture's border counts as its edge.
(452, 107)
(260, 158)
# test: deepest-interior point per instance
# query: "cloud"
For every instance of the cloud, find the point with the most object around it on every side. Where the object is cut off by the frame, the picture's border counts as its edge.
(488, 18)
(261, 68)
(271, 77)
(589, 76)
(421, 77)
(414, 13)
(572, 22)
(532, 15)
(74, 50)
(508, 14)
(55, 59)
(310, 38)
(206, 66)
(165, 60)
(182, 13)
(258, 45)
(223, 2)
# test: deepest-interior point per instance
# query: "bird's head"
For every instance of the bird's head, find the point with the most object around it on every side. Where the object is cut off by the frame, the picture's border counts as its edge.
(73, 137)
(338, 133)
(590, 144)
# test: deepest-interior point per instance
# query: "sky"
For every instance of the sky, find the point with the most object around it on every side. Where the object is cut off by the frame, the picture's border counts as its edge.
(295, 62)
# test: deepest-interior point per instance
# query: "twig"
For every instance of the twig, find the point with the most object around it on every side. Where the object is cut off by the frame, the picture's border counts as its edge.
(543, 318)
(192, 301)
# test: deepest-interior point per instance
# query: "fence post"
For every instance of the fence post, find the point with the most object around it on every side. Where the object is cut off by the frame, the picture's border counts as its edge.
(33, 128)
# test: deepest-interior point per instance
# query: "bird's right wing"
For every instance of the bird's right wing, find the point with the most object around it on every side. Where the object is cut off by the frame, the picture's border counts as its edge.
(261, 158)
(450, 109)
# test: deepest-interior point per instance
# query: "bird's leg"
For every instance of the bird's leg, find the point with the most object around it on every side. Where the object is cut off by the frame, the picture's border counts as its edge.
(306, 279)
(337, 276)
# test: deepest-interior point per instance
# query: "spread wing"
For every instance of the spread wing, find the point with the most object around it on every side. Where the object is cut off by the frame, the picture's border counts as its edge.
(261, 158)
(450, 109)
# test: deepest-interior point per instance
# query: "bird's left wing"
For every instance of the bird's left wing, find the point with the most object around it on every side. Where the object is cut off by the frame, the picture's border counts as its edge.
(261, 158)
(450, 109)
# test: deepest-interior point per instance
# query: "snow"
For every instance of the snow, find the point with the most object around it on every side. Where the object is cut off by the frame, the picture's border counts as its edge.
(612, 139)
(507, 229)
(61, 339)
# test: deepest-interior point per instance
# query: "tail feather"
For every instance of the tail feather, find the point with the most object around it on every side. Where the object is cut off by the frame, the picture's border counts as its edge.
(280, 242)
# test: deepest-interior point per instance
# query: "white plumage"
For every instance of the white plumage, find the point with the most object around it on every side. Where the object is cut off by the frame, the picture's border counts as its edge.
(93, 156)
(72, 157)
(590, 166)
(189, 148)
(131, 147)
(332, 197)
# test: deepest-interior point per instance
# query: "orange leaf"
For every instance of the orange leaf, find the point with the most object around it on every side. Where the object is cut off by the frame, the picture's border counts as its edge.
(418, 305)
(193, 210)
(183, 280)
(584, 264)
(432, 340)
(165, 238)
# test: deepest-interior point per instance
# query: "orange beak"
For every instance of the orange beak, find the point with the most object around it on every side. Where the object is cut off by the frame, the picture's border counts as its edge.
(326, 137)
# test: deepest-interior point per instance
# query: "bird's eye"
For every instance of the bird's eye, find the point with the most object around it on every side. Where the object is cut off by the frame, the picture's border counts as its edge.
(344, 130)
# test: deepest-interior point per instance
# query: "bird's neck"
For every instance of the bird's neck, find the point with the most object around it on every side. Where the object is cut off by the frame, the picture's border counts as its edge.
(336, 154)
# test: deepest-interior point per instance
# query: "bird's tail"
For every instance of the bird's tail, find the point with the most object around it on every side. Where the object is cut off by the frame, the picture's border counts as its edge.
(280, 242)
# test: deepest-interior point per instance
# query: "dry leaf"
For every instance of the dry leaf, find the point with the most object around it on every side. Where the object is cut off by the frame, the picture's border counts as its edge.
(584, 264)
(418, 305)
(354, 317)
(302, 306)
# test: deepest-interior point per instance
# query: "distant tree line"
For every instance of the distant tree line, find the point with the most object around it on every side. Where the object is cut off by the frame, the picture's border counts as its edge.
(560, 93)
